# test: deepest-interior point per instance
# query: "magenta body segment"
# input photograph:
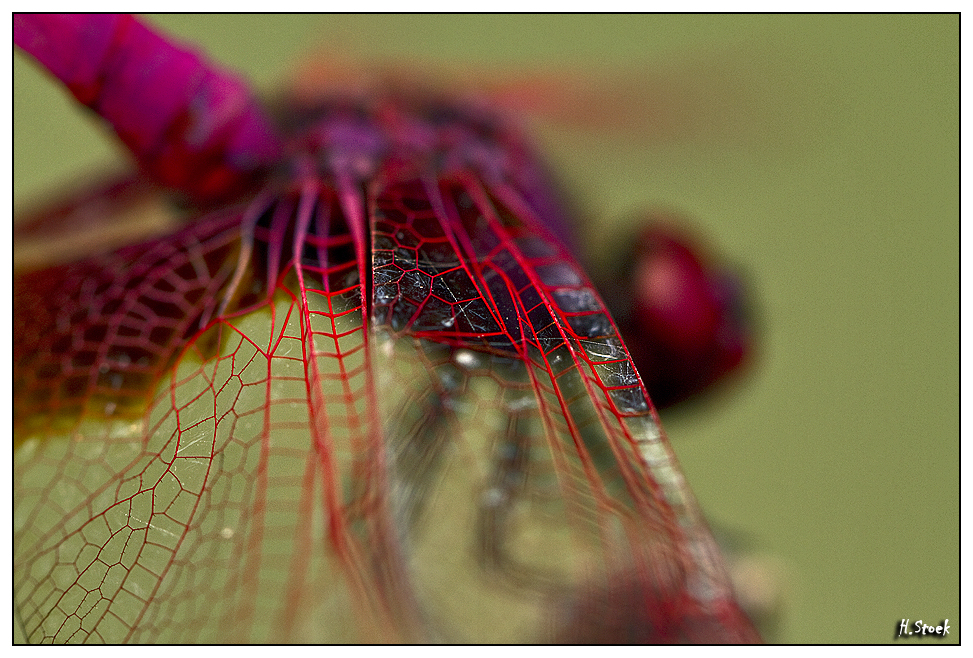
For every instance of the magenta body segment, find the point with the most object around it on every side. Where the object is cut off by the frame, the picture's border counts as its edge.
(190, 125)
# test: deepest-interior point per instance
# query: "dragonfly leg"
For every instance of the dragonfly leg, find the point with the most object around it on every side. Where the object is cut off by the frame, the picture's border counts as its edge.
(514, 488)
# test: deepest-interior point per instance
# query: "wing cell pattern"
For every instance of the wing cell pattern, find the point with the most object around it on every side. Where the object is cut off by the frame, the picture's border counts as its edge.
(388, 408)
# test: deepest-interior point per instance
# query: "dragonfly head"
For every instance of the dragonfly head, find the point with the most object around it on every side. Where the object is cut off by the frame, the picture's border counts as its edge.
(685, 319)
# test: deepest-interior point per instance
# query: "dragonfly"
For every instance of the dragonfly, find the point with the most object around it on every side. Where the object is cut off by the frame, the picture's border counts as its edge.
(358, 390)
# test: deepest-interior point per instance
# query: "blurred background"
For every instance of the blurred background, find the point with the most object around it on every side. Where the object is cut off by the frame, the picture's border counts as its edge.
(817, 153)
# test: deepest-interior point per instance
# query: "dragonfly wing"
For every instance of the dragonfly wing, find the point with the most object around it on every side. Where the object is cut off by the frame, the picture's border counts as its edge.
(527, 467)
(186, 433)
(96, 218)
(94, 343)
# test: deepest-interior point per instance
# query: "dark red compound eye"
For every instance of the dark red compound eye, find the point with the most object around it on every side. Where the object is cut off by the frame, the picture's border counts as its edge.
(684, 319)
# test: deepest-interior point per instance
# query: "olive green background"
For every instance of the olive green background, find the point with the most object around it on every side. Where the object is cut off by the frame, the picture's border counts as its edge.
(820, 153)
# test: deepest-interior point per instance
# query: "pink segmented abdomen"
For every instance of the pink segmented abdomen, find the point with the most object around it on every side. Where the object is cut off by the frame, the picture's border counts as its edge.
(191, 126)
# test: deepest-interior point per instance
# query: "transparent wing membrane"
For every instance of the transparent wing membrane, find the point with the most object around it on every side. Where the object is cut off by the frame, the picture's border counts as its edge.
(253, 432)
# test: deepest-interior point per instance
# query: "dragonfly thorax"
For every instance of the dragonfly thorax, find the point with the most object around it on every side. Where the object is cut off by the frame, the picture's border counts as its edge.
(364, 140)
